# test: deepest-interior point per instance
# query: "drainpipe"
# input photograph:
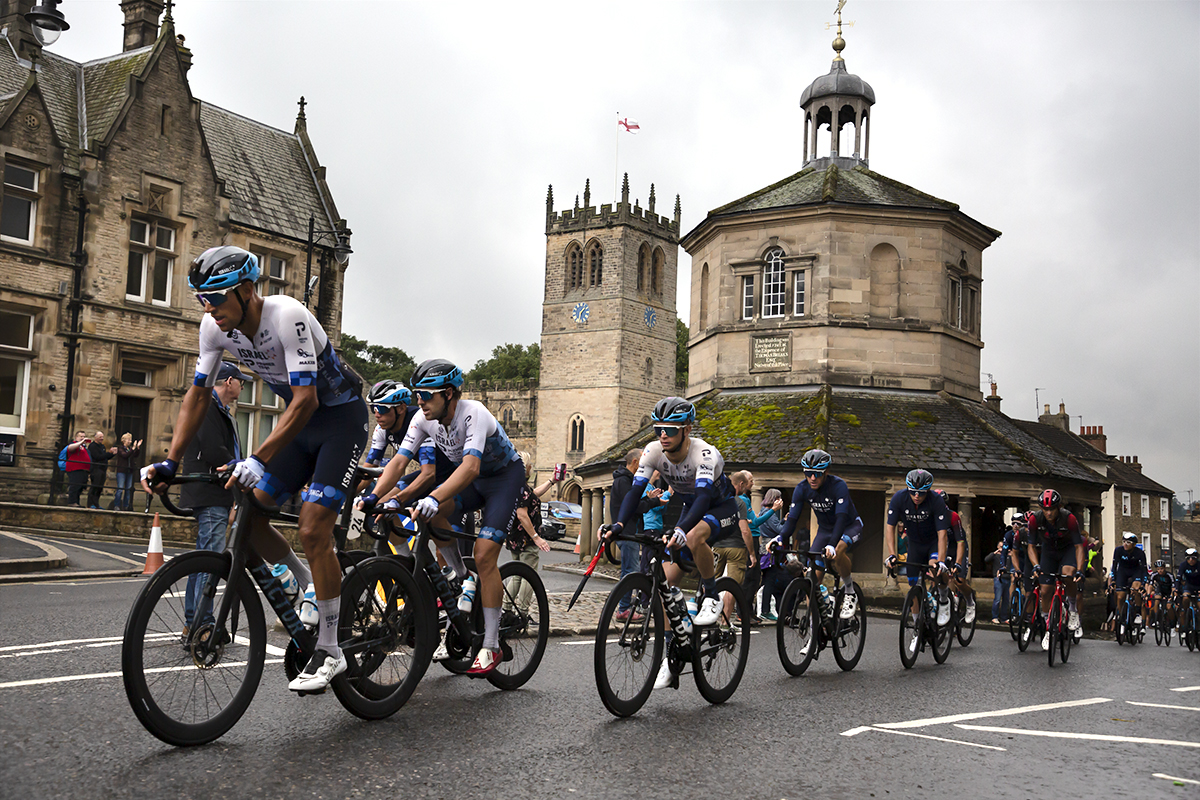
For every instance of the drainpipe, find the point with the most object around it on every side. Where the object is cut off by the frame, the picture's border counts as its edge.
(68, 416)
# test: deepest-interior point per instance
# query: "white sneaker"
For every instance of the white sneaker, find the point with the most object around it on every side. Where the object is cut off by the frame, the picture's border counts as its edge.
(943, 614)
(710, 611)
(309, 616)
(1046, 642)
(849, 605)
(663, 680)
(322, 668)
(1073, 620)
(441, 653)
(969, 614)
(1137, 620)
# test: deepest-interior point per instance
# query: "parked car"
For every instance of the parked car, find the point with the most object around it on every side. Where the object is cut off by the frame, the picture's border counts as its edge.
(562, 510)
(552, 528)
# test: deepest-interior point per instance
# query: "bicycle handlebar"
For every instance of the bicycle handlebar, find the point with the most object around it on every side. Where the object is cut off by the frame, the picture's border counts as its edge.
(208, 477)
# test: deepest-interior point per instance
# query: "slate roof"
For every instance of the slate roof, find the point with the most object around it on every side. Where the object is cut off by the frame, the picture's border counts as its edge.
(867, 429)
(1119, 473)
(1126, 477)
(271, 184)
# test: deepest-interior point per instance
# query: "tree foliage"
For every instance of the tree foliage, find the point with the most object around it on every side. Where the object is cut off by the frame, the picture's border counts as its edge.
(681, 354)
(375, 362)
(509, 362)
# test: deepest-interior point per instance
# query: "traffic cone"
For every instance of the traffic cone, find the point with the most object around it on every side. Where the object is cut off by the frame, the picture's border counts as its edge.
(577, 538)
(154, 553)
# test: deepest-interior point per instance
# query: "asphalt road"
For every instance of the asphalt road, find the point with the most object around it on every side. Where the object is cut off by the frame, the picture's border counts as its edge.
(779, 737)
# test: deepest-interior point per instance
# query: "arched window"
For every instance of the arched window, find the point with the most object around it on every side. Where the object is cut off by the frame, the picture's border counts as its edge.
(643, 265)
(649, 370)
(774, 285)
(595, 265)
(645, 421)
(576, 434)
(656, 272)
(506, 416)
(574, 267)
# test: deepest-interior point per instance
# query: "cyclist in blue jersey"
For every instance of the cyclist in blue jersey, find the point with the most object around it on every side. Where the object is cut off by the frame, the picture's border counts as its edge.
(1129, 571)
(317, 441)
(927, 522)
(958, 559)
(1162, 583)
(488, 476)
(839, 528)
(1015, 557)
(391, 403)
(1187, 579)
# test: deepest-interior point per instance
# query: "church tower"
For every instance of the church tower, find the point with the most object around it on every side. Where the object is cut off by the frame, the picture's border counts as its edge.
(608, 325)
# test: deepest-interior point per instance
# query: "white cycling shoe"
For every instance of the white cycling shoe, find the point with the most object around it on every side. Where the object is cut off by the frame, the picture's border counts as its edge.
(1046, 642)
(663, 681)
(849, 605)
(441, 653)
(321, 670)
(709, 613)
(1073, 620)
(943, 613)
(969, 614)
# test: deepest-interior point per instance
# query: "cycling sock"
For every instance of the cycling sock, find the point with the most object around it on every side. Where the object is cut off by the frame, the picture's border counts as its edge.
(327, 639)
(453, 559)
(298, 568)
(491, 628)
(709, 587)
(848, 582)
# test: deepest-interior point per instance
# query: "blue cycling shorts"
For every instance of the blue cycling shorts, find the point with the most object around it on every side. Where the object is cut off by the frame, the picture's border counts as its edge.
(324, 455)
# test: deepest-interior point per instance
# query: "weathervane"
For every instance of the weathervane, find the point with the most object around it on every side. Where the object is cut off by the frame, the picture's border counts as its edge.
(839, 44)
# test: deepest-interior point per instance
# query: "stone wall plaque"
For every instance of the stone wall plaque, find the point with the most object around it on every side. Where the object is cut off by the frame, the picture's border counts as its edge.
(771, 353)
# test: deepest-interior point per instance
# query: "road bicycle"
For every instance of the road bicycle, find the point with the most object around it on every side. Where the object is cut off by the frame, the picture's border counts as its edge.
(1030, 622)
(523, 632)
(190, 688)
(1017, 603)
(1061, 636)
(964, 631)
(1189, 624)
(1129, 631)
(630, 651)
(918, 620)
(1160, 610)
(808, 622)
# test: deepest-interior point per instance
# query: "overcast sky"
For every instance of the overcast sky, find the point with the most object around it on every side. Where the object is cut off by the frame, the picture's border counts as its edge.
(1074, 128)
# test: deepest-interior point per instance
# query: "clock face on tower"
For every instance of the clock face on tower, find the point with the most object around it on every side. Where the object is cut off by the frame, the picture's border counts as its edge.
(650, 317)
(580, 313)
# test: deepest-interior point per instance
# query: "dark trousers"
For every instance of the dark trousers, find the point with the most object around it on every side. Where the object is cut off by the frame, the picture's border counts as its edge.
(775, 580)
(98, 477)
(76, 480)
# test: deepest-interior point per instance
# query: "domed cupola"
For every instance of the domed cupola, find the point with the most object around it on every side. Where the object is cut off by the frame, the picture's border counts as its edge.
(845, 98)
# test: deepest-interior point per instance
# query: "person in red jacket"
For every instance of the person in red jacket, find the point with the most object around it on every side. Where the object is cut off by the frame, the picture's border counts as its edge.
(79, 464)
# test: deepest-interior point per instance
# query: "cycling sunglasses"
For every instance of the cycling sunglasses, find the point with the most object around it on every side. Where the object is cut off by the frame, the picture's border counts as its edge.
(671, 431)
(426, 396)
(378, 409)
(213, 299)
(813, 473)
(915, 493)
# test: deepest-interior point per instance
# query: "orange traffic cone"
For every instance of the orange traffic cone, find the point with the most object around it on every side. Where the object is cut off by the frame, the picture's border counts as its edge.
(154, 553)
(577, 538)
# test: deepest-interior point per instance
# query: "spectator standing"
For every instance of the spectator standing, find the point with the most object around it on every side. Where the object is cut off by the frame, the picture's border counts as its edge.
(775, 576)
(99, 454)
(630, 551)
(995, 562)
(753, 572)
(127, 456)
(78, 465)
(214, 446)
(733, 549)
(523, 539)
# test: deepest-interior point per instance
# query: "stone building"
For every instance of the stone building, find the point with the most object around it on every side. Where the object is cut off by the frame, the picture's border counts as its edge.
(115, 178)
(515, 405)
(840, 308)
(608, 326)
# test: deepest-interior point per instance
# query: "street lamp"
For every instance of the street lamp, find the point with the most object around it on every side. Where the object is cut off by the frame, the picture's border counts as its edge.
(47, 21)
(341, 253)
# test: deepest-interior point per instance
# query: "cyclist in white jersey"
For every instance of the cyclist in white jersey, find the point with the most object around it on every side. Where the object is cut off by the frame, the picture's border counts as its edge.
(488, 475)
(316, 441)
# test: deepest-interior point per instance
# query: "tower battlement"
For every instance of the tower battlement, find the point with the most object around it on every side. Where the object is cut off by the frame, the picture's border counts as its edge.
(588, 217)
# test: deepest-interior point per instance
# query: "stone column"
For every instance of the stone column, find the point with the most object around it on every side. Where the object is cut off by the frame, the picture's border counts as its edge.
(756, 500)
(602, 510)
(858, 133)
(585, 523)
(806, 125)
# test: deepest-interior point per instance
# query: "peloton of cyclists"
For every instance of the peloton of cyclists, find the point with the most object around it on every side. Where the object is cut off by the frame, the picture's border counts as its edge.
(839, 527)
(694, 471)
(316, 441)
(1056, 546)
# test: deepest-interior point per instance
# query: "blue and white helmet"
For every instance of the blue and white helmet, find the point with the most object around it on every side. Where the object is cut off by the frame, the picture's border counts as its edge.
(918, 480)
(389, 393)
(436, 373)
(816, 459)
(674, 410)
(222, 267)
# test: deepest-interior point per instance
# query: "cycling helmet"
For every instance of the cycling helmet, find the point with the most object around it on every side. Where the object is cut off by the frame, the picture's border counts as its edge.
(1190, 553)
(389, 393)
(1160, 564)
(918, 480)
(942, 494)
(436, 373)
(674, 410)
(222, 268)
(1049, 499)
(816, 459)
(1129, 537)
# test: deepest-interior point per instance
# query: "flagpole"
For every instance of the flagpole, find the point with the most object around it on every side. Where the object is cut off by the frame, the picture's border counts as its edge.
(617, 161)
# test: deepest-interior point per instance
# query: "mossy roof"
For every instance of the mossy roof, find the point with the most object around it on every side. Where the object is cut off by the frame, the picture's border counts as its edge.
(832, 185)
(871, 430)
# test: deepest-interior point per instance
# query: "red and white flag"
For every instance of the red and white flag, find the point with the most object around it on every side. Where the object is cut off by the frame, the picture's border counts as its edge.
(628, 124)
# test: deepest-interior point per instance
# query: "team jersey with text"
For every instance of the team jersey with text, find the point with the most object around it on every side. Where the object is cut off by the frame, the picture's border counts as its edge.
(289, 349)
(382, 438)
(702, 468)
(472, 432)
(922, 522)
(828, 502)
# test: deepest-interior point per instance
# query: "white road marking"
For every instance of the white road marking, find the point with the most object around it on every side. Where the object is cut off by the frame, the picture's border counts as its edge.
(93, 676)
(1004, 712)
(612, 641)
(1173, 778)
(59, 643)
(1160, 705)
(141, 563)
(857, 731)
(1093, 737)
(926, 736)
(1187, 689)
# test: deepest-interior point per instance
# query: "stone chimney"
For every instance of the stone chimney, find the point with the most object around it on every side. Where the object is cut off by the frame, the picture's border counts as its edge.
(1060, 420)
(20, 32)
(141, 22)
(993, 399)
(1094, 435)
(1131, 461)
